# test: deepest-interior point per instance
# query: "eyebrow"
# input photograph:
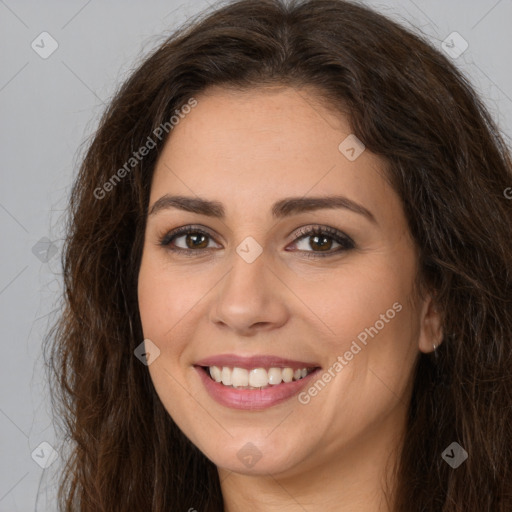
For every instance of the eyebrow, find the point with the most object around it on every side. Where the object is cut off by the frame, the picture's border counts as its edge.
(282, 208)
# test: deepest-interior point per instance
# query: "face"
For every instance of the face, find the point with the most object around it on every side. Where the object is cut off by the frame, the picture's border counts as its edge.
(272, 282)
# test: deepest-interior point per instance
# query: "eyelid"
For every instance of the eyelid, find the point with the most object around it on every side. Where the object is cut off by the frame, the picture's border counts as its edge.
(311, 229)
(184, 230)
(345, 241)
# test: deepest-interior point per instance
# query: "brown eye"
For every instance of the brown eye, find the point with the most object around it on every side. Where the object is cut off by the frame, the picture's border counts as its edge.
(318, 241)
(187, 240)
(195, 240)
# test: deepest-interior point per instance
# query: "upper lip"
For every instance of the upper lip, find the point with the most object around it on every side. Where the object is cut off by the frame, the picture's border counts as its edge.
(256, 361)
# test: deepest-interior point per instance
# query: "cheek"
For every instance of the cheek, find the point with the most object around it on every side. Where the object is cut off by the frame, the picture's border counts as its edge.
(373, 328)
(369, 348)
(166, 296)
(358, 296)
(167, 300)
(153, 296)
(366, 317)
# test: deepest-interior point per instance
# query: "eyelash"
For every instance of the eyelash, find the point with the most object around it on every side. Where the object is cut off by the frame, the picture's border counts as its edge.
(345, 242)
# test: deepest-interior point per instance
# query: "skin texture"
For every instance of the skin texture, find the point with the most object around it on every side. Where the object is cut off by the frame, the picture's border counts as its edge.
(248, 150)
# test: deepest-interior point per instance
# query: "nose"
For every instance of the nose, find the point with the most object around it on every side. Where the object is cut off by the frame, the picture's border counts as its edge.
(250, 298)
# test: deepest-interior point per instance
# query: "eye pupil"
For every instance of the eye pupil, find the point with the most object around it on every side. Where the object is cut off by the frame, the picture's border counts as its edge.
(322, 245)
(194, 237)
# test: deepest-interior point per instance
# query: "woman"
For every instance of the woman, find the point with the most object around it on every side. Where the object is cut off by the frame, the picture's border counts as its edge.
(288, 277)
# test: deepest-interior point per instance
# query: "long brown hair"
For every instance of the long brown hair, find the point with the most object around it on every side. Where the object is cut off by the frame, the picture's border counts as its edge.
(445, 158)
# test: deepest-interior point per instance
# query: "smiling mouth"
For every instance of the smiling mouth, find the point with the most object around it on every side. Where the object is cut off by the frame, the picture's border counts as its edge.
(255, 378)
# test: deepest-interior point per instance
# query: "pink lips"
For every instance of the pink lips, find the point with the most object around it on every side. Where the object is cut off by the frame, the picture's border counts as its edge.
(263, 361)
(253, 399)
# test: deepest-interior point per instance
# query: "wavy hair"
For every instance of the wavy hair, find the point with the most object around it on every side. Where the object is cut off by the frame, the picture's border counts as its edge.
(446, 159)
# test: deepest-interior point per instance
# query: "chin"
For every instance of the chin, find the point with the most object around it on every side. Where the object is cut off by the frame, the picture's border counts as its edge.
(253, 455)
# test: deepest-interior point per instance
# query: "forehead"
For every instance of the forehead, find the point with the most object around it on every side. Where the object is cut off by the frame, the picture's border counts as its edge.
(259, 125)
(263, 144)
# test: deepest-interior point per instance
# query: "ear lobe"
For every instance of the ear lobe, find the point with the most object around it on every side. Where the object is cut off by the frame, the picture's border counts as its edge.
(431, 330)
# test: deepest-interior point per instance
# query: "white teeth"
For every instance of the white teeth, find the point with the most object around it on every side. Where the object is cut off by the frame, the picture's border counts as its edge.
(275, 376)
(226, 376)
(287, 374)
(239, 377)
(256, 377)
(216, 373)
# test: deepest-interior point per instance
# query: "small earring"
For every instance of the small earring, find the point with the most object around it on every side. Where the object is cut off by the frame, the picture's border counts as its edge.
(434, 345)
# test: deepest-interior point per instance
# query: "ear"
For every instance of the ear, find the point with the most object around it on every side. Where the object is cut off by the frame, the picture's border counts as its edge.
(431, 330)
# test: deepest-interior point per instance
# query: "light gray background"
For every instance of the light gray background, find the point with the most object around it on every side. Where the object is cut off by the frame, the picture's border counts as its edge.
(48, 109)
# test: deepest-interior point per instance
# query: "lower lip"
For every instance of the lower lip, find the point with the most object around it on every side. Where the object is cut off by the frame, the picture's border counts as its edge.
(253, 399)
